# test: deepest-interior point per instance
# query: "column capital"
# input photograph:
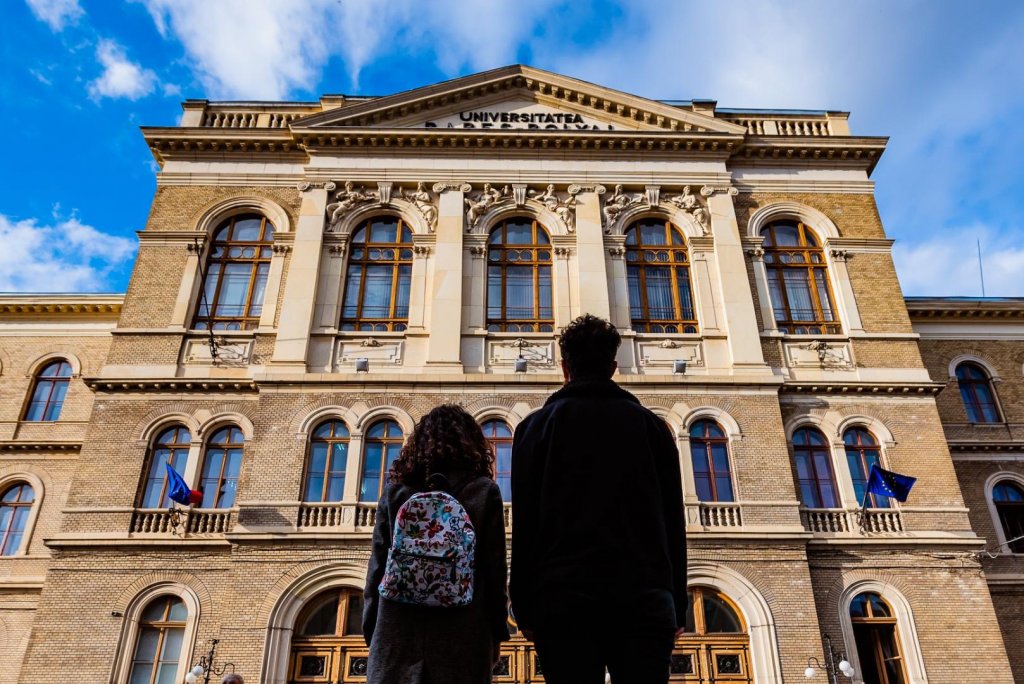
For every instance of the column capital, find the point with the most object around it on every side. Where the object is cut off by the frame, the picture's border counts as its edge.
(577, 188)
(452, 186)
(710, 190)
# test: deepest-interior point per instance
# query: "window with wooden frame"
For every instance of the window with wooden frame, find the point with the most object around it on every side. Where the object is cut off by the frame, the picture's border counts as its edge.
(813, 460)
(158, 645)
(798, 281)
(170, 447)
(658, 277)
(327, 462)
(977, 394)
(715, 646)
(709, 451)
(379, 276)
(519, 278)
(48, 391)
(862, 452)
(1008, 498)
(499, 436)
(878, 644)
(237, 268)
(381, 445)
(327, 646)
(15, 507)
(222, 463)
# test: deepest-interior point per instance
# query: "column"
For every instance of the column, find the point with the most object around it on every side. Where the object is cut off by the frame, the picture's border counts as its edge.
(737, 300)
(756, 254)
(844, 289)
(445, 325)
(590, 252)
(300, 288)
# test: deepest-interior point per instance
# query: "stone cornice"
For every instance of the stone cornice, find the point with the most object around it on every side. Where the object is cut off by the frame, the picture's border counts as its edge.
(8, 446)
(172, 385)
(921, 308)
(39, 306)
(832, 152)
(865, 388)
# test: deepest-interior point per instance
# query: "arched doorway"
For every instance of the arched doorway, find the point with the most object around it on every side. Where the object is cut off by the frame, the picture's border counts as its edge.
(878, 642)
(327, 642)
(716, 645)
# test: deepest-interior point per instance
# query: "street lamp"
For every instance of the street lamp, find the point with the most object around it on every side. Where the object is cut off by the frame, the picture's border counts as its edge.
(205, 667)
(832, 668)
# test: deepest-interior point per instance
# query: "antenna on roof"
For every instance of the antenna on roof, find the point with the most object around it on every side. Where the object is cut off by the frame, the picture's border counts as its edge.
(981, 271)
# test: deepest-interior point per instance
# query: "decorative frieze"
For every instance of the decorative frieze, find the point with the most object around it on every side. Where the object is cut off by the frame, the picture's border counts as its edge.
(691, 204)
(423, 202)
(562, 205)
(479, 203)
(563, 209)
(347, 199)
(616, 204)
(380, 353)
(818, 354)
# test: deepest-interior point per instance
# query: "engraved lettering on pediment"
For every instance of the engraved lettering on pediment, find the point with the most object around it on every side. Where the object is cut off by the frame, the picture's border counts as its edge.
(517, 114)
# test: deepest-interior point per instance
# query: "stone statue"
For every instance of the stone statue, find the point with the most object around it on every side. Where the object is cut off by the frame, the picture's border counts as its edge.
(421, 198)
(479, 203)
(347, 199)
(614, 205)
(564, 210)
(689, 203)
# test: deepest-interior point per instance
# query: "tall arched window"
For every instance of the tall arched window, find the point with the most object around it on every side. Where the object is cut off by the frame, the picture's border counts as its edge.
(158, 646)
(381, 445)
(327, 643)
(709, 450)
(798, 280)
(328, 458)
(236, 274)
(1008, 497)
(976, 393)
(814, 469)
(658, 276)
(222, 463)
(15, 507)
(499, 435)
(379, 276)
(170, 446)
(715, 646)
(862, 453)
(48, 391)
(519, 278)
(878, 644)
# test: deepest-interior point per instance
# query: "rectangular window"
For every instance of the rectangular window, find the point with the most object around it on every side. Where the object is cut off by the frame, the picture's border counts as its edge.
(658, 283)
(402, 296)
(350, 307)
(494, 292)
(798, 292)
(377, 297)
(519, 293)
(234, 290)
(258, 289)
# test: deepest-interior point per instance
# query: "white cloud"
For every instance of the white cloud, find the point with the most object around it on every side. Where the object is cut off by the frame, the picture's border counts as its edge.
(56, 13)
(67, 256)
(121, 77)
(947, 264)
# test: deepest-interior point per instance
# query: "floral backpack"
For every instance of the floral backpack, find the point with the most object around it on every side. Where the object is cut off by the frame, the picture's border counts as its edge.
(431, 559)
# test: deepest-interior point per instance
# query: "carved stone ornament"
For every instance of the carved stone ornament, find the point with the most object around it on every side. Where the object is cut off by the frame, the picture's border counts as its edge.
(424, 203)
(616, 204)
(347, 199)
(839, 254)
(281, 249)
(617, 252)
(478, 203)
(478, 251)
(756, 253)
(691, 204)
(336, 250)
(421, 250)
(709, 190)
(446, 186)
(562, 252)
(305, 186)
(563, 209)
(370, 342)
(577, 188)
(195, 247)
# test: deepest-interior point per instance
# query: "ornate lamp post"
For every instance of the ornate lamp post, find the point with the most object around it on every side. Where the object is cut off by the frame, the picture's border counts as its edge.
(832, 668)
(205, 667)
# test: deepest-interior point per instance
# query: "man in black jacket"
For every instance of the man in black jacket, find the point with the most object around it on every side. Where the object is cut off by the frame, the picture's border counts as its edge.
(598, 574)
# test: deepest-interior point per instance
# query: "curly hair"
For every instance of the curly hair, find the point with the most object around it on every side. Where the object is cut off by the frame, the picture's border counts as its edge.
(588, 346)
(444, 440)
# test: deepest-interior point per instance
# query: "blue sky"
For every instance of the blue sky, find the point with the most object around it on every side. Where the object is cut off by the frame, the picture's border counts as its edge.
(943, 79)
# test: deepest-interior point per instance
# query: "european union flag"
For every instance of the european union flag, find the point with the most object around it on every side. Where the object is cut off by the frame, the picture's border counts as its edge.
(890, 484)
(177, 490)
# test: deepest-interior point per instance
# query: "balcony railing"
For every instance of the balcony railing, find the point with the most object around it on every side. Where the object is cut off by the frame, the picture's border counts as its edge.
(187, 522)
(849, 522)
(720, 515)
(337, 516)
(768, 125)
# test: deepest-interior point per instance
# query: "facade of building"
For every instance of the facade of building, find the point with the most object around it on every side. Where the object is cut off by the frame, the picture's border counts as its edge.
(315, 276)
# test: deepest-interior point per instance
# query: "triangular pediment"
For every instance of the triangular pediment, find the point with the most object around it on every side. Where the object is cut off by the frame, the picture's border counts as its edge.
(518, 97)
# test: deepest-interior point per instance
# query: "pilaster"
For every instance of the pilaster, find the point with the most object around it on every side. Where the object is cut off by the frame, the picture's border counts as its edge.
(445, 306)
(590, 254)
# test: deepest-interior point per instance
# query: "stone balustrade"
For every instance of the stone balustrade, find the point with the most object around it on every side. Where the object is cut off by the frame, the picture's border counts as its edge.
(720, 515)
(186, 522)
(766, 125)
(849, 522)
(248, 119)
(337, 516)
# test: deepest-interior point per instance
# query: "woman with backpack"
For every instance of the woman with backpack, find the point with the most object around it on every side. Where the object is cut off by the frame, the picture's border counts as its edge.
(436, 608)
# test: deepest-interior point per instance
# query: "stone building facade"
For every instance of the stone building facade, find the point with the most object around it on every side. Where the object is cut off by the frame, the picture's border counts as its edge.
(315, 276)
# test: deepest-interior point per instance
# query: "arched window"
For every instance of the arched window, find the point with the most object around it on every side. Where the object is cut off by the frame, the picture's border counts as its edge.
(380, 449)
(221, 466)
(236, 274)
(519, 278)
(798, 280)
(379, 276)
(48, 391)
(715, 645)
(327, 643)
(814, 469)
(15, 507)
(709, 450)
(328, 458)
(158, 646)
(878, 644)
(170, 446)
(499, 435)
(658, 275)
(1008, 497)
(862, 453)
(976, 393)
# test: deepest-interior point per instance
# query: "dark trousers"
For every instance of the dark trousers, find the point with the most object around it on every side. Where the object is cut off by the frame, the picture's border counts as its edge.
(580, 655)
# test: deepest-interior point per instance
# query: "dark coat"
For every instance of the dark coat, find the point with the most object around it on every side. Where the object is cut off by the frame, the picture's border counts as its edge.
(427, 645)
(597, 504)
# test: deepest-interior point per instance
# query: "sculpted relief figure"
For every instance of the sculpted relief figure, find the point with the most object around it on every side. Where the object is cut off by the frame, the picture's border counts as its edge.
(478, 204)
(565, 210)
(614, 205)
(346, 200)
(421, 198)
(689, 203)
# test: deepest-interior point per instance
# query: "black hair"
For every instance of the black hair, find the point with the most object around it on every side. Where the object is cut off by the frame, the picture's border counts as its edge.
(588, 347)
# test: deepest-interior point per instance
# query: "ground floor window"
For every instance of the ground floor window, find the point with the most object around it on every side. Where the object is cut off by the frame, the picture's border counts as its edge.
(878, 643)
(327, 644)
